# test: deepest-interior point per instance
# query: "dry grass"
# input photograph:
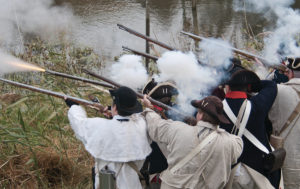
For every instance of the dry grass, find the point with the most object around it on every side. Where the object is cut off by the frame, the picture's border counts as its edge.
(38, 147)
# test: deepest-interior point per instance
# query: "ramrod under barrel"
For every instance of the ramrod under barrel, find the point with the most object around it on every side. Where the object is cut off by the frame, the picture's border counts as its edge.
(55, 94)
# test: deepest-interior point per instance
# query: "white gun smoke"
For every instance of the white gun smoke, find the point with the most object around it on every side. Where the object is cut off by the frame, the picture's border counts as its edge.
(194, 81)
(283, 40)
(129, 71)
(215, 53)
(41, 18)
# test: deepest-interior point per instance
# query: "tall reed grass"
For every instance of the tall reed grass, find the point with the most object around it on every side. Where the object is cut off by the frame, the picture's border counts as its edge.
(38, 148)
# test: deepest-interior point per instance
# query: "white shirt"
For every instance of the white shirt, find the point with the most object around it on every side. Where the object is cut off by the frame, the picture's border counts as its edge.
(113, 142)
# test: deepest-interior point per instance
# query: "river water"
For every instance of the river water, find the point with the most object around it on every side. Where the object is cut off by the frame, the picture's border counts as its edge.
(213, 18)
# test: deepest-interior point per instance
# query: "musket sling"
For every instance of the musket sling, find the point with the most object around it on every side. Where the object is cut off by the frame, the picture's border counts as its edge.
(274, 159)
(275, 139)
(194, 152)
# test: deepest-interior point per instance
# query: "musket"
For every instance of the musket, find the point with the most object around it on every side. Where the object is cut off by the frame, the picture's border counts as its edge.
(79, 78)
(140, 95)
(146, 37)
(140, 53)
(238, 51)
(56, 94)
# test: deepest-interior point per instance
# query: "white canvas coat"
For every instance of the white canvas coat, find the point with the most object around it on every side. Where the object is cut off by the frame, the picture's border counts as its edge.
(285, 103)
(112, 142)
(181, 139)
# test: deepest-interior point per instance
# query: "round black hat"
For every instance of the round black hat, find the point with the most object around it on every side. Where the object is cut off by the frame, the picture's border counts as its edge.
(126, 101)
(242, 78)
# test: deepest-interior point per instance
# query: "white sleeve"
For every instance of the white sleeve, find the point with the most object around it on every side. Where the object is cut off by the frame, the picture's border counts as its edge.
(83, 127)
(77, 117)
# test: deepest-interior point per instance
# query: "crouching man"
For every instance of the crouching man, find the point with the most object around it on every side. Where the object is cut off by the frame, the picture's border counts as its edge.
(120, 145)
(199, 156)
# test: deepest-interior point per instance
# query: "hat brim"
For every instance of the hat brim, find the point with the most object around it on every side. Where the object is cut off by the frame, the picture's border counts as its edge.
(193, 103)
(137, 108)
(222, 118)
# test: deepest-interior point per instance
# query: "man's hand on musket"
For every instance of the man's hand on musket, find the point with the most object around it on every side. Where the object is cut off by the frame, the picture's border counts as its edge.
(107, 112)
(70, 102)
(147, 102)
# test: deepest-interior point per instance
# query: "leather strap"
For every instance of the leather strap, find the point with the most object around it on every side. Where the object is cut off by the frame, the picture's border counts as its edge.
(134, 167)
(245, 118)
(238, 121)
(242, 129)
(243, 112)
(255, 141)
(293, 115)
(194, 152)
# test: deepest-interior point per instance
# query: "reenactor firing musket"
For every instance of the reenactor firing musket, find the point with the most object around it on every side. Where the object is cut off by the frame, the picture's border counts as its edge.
(140, 53)
(238, 51)
(146, 37)
(79, 78)
(140, 95)
(56, 94)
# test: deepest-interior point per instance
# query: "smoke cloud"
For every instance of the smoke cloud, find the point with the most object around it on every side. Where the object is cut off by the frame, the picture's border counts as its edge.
(194, 81)
(35, 17)
(282, 42)
(215, 53)
(129, 71)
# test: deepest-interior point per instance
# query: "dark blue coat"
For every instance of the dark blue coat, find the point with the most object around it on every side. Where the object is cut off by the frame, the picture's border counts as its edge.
(261, 104)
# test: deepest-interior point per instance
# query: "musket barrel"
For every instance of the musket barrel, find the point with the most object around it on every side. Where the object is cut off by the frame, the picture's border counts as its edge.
(55, 94)
(238, 51)
(79, 78)
(140, 53)
(146, 37)
(140, 95)
(101, 78)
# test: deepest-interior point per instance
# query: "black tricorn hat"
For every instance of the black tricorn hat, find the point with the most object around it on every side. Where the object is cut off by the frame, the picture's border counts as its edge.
(213, 106)
(126, 101)
(149, 86)
(161, 90)
(165, 89)
(293, 63)
(242, 78)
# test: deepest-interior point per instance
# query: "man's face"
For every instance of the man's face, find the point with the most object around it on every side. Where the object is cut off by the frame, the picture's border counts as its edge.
(199, 116)
(226, 89)
(114, 110)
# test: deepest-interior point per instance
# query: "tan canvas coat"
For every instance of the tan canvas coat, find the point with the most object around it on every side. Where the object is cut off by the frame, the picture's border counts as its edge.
(181, 139)
(285, 102)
